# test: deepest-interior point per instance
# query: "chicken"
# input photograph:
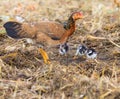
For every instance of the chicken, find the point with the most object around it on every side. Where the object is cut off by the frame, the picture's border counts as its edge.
(63, 49)
(91, 53)
(48, 32)
(81, 50)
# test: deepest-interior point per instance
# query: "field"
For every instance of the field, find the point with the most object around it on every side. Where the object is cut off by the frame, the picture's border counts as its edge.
(23, 73)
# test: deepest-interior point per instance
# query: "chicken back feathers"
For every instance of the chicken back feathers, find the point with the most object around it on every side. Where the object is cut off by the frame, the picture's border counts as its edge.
(25, 30)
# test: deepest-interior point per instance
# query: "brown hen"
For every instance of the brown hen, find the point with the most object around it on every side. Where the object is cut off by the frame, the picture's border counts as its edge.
(49, 32)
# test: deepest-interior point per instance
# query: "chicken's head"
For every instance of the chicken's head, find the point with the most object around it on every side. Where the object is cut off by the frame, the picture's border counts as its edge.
(77, 15)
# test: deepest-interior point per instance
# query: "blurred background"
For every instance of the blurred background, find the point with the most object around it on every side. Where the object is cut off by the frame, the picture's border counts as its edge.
(23, 74)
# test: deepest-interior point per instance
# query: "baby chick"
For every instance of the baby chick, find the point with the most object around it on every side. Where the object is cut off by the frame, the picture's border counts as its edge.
(63, 49)
(91, 53)
(81, 50)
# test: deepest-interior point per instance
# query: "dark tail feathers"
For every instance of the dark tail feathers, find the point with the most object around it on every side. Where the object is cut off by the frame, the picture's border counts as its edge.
(12, 29)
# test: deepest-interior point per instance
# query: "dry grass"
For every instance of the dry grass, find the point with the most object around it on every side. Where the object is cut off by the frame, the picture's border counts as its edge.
(23, 74)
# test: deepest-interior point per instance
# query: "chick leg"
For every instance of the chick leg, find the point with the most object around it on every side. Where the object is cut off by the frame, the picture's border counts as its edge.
(66, 59)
